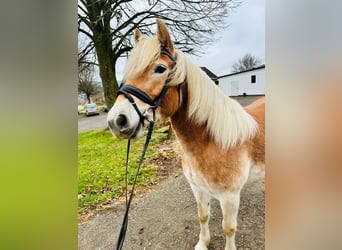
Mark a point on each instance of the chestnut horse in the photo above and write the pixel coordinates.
(220, 140)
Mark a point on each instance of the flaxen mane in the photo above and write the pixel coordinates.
(207, 108)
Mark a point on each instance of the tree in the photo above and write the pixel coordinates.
(108, 25)
(85, 78)
(88, 88)
(84, 62)
(246, 62)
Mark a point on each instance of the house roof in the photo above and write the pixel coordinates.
(209, 73)
(236, 73)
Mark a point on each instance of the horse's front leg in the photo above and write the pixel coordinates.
(230, 206)
(203, 206)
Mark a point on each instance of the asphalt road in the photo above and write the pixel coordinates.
(92, 122)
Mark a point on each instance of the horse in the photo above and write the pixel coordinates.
(220, 140)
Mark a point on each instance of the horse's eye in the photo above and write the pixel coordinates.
(159, 69)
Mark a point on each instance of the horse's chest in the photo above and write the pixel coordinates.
(192, 171)
(214, 174)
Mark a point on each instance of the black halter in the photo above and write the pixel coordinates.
(128, 90)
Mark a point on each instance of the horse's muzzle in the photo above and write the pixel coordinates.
(123, 121)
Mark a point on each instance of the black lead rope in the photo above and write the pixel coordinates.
(128, 203)
(127, 91)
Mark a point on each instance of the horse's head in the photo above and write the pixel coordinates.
(148, 90)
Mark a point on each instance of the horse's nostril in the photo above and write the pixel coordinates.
(121, 121)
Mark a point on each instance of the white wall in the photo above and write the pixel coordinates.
(239, 84)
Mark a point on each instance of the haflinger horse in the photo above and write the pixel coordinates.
(220, 140)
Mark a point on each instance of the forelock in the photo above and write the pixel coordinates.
(145, 53)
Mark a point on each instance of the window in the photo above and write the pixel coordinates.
(253, 78)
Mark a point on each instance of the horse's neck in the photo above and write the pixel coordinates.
(227, 133)
(187, 131)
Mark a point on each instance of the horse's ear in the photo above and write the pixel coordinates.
(137, 35)
(164, 36)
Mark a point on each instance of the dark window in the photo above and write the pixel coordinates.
(253, 78)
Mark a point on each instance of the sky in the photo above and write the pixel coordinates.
(245, 34)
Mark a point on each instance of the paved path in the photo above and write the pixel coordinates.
(166, 218)
(92, 122)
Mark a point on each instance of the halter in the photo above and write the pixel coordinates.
(128, 90)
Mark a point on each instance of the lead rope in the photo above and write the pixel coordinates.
(128, 203)
(128, 90)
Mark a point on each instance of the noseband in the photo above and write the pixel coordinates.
(128, 90)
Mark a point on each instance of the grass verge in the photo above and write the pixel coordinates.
(101, 167)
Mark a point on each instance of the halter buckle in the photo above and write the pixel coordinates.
(153, 108)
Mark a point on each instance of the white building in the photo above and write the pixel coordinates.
(249, 82)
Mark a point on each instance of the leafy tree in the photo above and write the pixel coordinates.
(108, 26)
(246, 62)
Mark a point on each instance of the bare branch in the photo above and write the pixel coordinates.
(85, 32)
(248, 61)
(82, 19)
(193, 25)
(83, 10)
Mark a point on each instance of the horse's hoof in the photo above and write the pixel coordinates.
(201, 246)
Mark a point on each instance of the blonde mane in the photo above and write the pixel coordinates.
(226, 120)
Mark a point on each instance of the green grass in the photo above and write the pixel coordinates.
(101, 166)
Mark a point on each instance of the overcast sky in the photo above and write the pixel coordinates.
(246, 34)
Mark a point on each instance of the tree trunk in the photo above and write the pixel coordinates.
(107, 71)
(88, 98)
